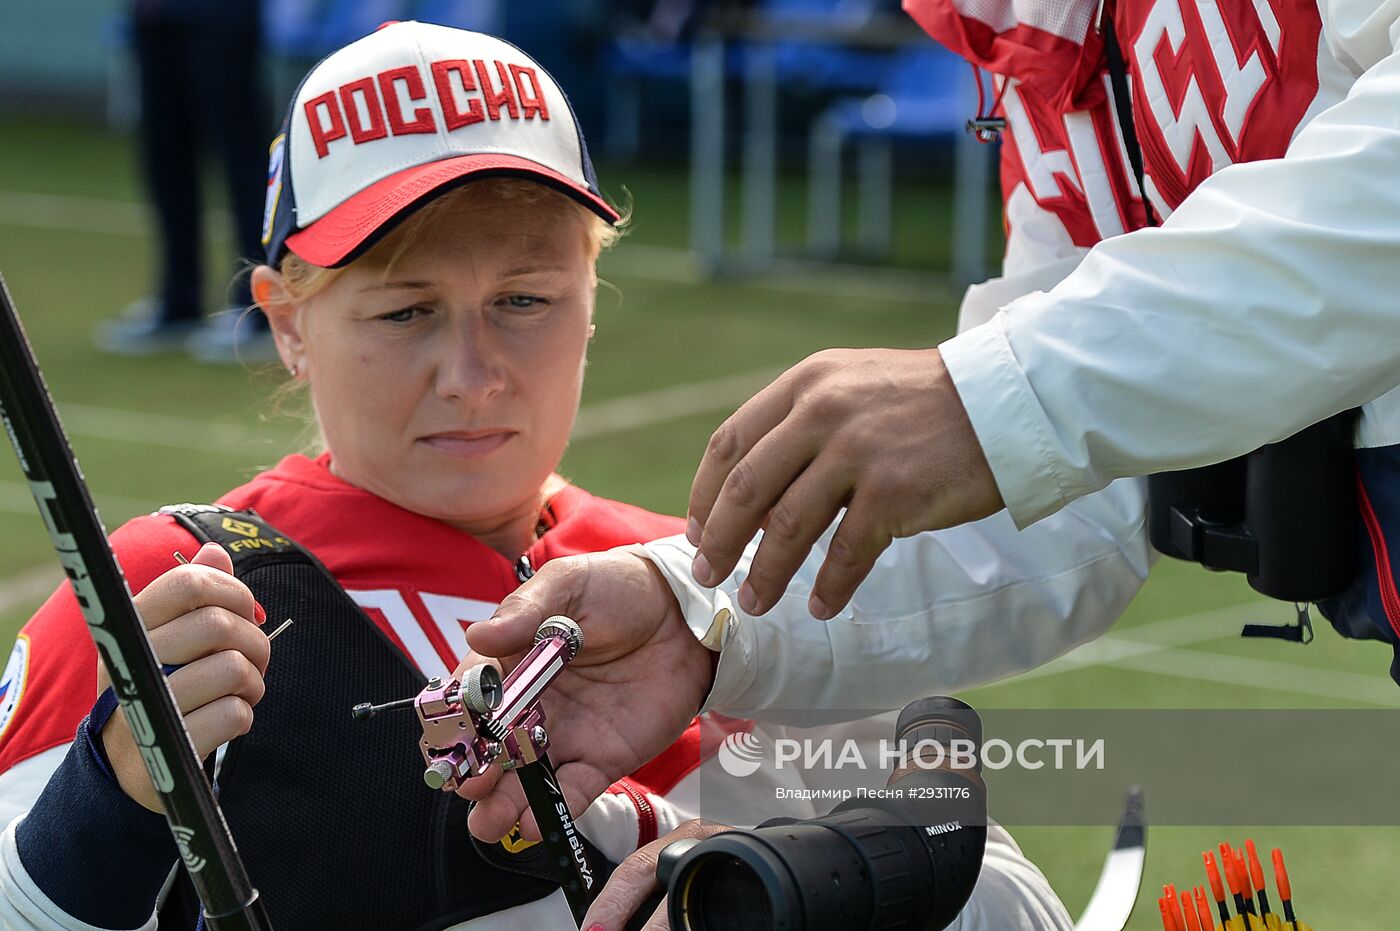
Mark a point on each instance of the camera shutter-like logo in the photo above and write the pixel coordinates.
(741, 754)
(183, 835)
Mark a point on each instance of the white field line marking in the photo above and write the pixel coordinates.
(174, 432)
(16, 499)
(73, 214)
(1286, 678)
(653, 407)
(1158, 648)
(1185, 630)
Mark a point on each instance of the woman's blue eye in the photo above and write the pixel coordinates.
(401, 316)
(525, 301)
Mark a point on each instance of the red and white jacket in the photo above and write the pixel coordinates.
(1267, 128)
(1215, 84)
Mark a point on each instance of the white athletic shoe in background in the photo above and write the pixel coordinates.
(141, 331)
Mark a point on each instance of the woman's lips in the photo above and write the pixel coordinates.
(470, 444)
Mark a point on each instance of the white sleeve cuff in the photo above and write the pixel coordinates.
(711, 615)
(1008, 419)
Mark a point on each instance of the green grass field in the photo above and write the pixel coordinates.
(73, 247)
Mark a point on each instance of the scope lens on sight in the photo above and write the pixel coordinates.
(724, 894)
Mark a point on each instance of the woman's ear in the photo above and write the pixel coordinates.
(270, 293)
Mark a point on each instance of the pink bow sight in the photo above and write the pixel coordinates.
(471, 724)
(468, 726)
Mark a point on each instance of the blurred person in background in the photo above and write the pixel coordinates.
(201, 91)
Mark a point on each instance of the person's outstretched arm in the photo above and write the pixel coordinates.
(940, 612)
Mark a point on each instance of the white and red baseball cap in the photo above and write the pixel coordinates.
(386, 123)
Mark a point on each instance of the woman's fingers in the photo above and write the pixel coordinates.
(212, 723)
(215, 557)
(634, 880)
(206, 581)
(228, 673)
(206, 631)
(477, 788)
(186, 588)
(218, 722)
(203, 620)
(497, 811)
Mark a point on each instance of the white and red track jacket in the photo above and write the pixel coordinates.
(1263, 303)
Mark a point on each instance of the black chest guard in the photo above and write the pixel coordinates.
(331, 815)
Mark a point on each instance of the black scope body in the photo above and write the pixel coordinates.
(908, 859)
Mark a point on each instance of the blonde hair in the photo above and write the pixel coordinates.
(302, 280)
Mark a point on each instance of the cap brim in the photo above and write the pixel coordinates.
(354, 226)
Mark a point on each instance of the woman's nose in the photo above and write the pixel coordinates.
(471, 366)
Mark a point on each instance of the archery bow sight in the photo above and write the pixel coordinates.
(470, 724)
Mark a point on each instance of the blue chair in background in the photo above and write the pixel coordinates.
(927, 99)
(634, 61)
(479, 15)
(812, 65)
(824, 65)
(311, 29)
(300, 32)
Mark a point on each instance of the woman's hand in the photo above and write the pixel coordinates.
(634, 881)
(638, 682)
(201, 618)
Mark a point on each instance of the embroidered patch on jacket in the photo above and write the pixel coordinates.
(12, 682)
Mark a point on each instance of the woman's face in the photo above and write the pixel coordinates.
(449, 384)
